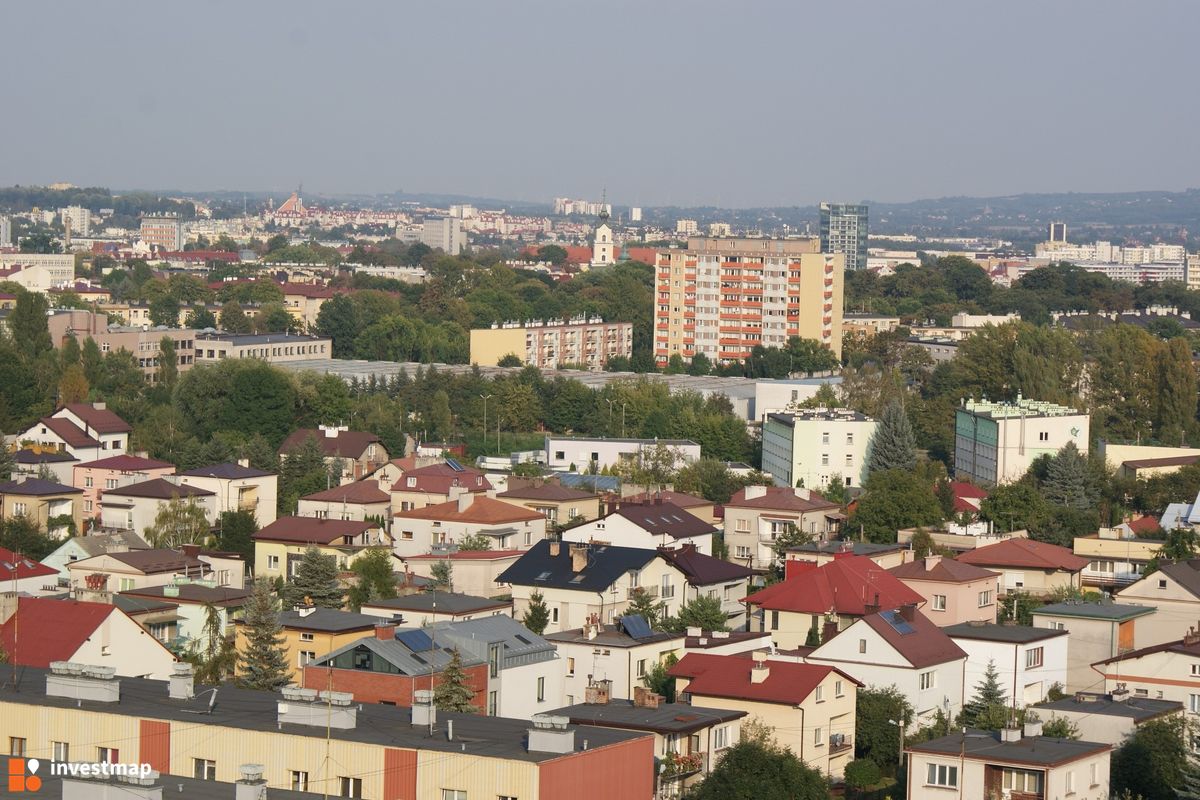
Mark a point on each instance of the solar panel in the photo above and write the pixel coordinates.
(416, 640)
(454, 465)
(899, 623)
(636, 626)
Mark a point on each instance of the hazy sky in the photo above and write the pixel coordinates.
(684, 103)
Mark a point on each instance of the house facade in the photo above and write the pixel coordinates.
(238, 487)
(1027, 566)
(506, 526)
(646, 525)
(356, 453)
(955, 592)
(1095, 631)
(54, 508)
(1174, 591)
(611, 653)
(1029, 661)
(280, 546)
(756, 515)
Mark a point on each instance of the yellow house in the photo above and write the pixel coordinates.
(280, 546)
(310, 632)
(1117, 556)
(41, 501)
(809, 706)
(558, 504)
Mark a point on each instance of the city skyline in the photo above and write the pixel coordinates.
(622, 97)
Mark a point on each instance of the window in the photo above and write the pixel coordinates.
(1043, 436)
(1194, 703)
(204, 769)
(126, 584)
(1023, 780)
(454, 794)
(87, 505)
(1033, 657)
(554, 615)
(818, 738)
(742, 552)
(939, 602)
(1095, 771)
(1196, 669)
(88, 483)
(493, 660)
(559, 455)
(942, 775)
(493, 701)
(862, 645)
(641, 667)
(62, 751)
(541, 690)
(1162, 584)
(985, 598)
(352, 787)
(16, 746)
(570, 665)
(19, 509)
(928, 680)
(721, 737)
(1141, 692)
(668, 589)
(411, 482)
(1071, 782)
(774, 620)
(825, 437)
(849, 438)
(108, 755)
(838, 689)
(299, 781)
(742, 526)
(272, 562)
(306, 637)
(306, 657)
(110, 483)
(824, 459)
(1057, 626)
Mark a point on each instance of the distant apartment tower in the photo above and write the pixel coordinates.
(688, 227)
(635, 214)
(720, 229)
(5, 232)
(78, 218)
(444, 233)
(844, 230)
(996, 442)
(723, 296)
(549, 345)
(1057, 232)
(164, 231)
(812, 447)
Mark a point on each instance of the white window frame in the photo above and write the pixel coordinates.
(941, 775)
(939, 602)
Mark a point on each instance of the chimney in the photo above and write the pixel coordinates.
(8, 606)
(550, 734)
(908, 611)
(555, 548)
(250, 783)
(873, 606)
(760, 671)
(753, 492)
(1120, 694)
(803, 494)
(1191, 637)
(424, 712)
(243, 462)
(579, 557)
(931, 562)
(82, 682)
(695, 631)
(305, 610)
(1008, 734)
(182, 683)
(829, 630)
(464, 501)
(385, 633)
(598, 693)
(639, 696)
(100, 406)
(1033, 728)
(796, 566)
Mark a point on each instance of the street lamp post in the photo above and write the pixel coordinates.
(900, 758)
(485, 397)
(610, 402)
(623, 419)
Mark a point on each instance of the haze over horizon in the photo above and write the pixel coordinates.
(668, 103)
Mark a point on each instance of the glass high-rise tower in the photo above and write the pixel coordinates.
(844, 230)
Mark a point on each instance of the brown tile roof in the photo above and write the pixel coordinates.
(482, 511)
(157, 560)
(1024, 553)
(787, 683)
(680, 499)
(550, 492)
(68, 431)
(158, 488)
(100, 420)
(922, 643)
(127, 463)
(946, 569)
(310, 530)
(1170, 461)
(781, 498)
(364, 491)
(441, 478)
(664, 518)
(347, 444)
(702, 570)
(468, 555)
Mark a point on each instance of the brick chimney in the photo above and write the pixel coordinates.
(385, 632)
(873, 606)
(644, 698)
(829, 630)
(555, 548)
(579, 557)
(598, 693)
(908, 612)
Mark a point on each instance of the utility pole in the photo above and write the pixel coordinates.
(623, 419)
(485, 399)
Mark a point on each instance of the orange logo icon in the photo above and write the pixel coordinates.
(22, 775)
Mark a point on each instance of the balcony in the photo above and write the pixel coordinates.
(676, 766)
(650, 591)
(840, 742)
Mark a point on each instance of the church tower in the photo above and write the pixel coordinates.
(602, 240)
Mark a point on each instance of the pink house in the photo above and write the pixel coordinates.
(114, 472)
(954, 592)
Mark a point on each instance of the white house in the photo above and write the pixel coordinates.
(570, 454)
(598, 652)
(1029, 660)
(1108, 718)
(901, 648)
(1167, 671)
(811, 447)
(647, 526)
(238, 487)
(134, 507)
(87, 431)
(507, 527)
(20, 574)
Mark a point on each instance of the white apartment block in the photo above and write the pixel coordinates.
(78, 218)
(38, 272)
(996, 442)
(5, 232)
(815, 445)
(567, 453)
(444, 233)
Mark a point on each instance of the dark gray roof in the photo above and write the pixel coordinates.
(247, 709)
(37, 487)
(667, 718)
(221, 596)
(1138, 709)
(611, 636)
(28, 456)
(96, 543)
(140, 605)
(605, 564)
(1013, 634)
(327, 619)
(159, 489)
(227, 471)
(172, 786)
(857, 548)
(446, 602)
(987, 746)
(1081, 608)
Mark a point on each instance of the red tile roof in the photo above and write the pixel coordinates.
(1024, 553)
(347, 444)
(946, 569)
(15, 568)
(678, 498)
(308, 290)
(100, 420)
(127, 463)
(967, 497)
(781, 498)
(45, 630)
(482, 511)
(68, 431)
(364, 491)
(1146, 524)
(786, 683)
(310, 530)
(924, 645)
(845, 586)
(440, 479)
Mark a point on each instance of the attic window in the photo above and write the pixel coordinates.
(1162, 584)
(577, 579)
(412, 482)
(544, 576)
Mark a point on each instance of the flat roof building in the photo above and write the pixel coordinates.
(996, 442)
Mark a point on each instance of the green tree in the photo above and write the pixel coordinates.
(1175, 398)
(178, 522)
(553, 253)
(164, 310)
(315, 581)
(1060, 728)
(699, 365)
(989, 698)
(262, 663)
(643, 604)
(232, 319)
(453, 691)
(27, 324)
(922, 544)
(274, 318)
(338, 320)
(218, 659)
(893, 445)
(658, 680)
(895, 499)
(1016, 506)
(1018, 607)
(861, 774)
(234, 532)
(72, 385)
(200, 318)
(1152, 762)
(475, 542)
(510, 360)
(876, 736)
(536, 616)
(752, 771)
(168, 365)
(442, 574)
(709, 478)
(1068, 480)
(703, 612)
(374, 578)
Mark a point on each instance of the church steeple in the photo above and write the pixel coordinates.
(602, 237)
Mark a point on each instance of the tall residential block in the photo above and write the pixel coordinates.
(844, 230)
(553, 343)
(996, 442)
(814, 446)
(723, 296)
(444, 233)
(5, 232)
(1057, 232)
(164, 231)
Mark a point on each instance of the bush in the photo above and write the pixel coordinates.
(862, 773)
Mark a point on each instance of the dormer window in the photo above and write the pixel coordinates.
(412, 482)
